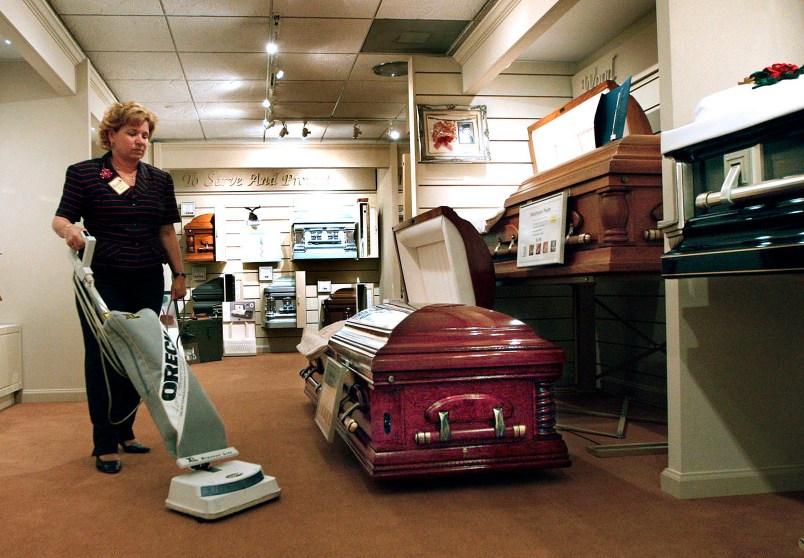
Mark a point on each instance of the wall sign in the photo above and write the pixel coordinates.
(262, 180)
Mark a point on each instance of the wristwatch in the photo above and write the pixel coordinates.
(179, 274)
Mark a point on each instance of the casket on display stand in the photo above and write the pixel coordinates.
(440, 384)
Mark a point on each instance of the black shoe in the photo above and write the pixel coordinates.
(110, 467)
(136, 447)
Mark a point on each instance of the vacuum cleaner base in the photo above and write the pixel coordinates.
(221, 490)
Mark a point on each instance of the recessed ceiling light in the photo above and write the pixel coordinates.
(391, 69)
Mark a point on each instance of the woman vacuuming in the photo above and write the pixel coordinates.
(130, 208)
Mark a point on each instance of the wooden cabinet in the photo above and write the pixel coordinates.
(10, 364)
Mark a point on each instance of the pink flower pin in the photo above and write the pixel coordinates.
(105, 173)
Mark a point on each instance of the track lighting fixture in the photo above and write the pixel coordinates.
(284, 131)
(392, 133)
(280, 74)
(305, 130)
(268, 124)
(356, 131)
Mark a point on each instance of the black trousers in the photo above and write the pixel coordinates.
(111, 397)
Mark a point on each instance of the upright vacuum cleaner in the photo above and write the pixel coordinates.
(142, 348)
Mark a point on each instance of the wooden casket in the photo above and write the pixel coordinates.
(441, 384)
(200, 237)
(614, 199)
(341, 305)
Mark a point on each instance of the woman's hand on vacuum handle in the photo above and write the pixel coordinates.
(73, 236)
(178, 290)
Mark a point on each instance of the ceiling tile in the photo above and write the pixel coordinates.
(177, 130)
(230, 90)
(217, 7)
(230, 111)
(358, 91)
(412, 35)
(230, 34)
(120, 33)
(314, 66)
(107, 7)
(368, 110)
(303, 91)
(427, 9)
(173, 111)
(322, 35)
(166, 91)
(223, 65)
(327, 8)
(287, 110)
(232, 129)
(147, 65)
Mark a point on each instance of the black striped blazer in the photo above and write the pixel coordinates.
(126, 225)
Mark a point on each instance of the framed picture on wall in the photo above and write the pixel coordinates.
(187, 209)
(453, 134)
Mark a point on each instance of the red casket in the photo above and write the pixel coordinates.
(430, 388)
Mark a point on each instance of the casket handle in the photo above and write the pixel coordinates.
(346, 417)
(443, 429)
(446, 434)
(499, 422)
(730, 194)
(307, 375)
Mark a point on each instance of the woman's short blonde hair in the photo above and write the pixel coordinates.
(120, 114)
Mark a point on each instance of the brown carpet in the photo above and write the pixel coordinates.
(54, 503)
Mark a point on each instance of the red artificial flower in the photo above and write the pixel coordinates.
(105, 173)
(777, 70)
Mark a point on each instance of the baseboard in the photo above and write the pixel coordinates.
(733, 482)
(53, 395)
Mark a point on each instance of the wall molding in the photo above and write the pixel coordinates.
(707, 484)
(53, 395)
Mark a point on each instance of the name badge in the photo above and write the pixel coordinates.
(118, 185)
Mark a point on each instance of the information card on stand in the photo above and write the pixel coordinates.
(542, 231)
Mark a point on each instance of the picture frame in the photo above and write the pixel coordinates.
(187, 209)
(453, 133)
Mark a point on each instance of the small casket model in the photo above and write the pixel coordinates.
(442, 384)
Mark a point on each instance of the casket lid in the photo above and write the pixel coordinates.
(444, 260)
(201, 223)
(735, 109)
(400, 337)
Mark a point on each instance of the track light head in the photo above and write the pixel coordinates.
(280, 74)
(356, 131)
(392, 133)
(284, 131)
(305, 130)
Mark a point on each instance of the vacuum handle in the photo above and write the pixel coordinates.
(83, 264)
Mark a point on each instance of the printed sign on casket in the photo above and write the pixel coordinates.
(542, 231)
(329, 402)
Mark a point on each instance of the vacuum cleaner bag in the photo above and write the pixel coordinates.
(165, 382)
